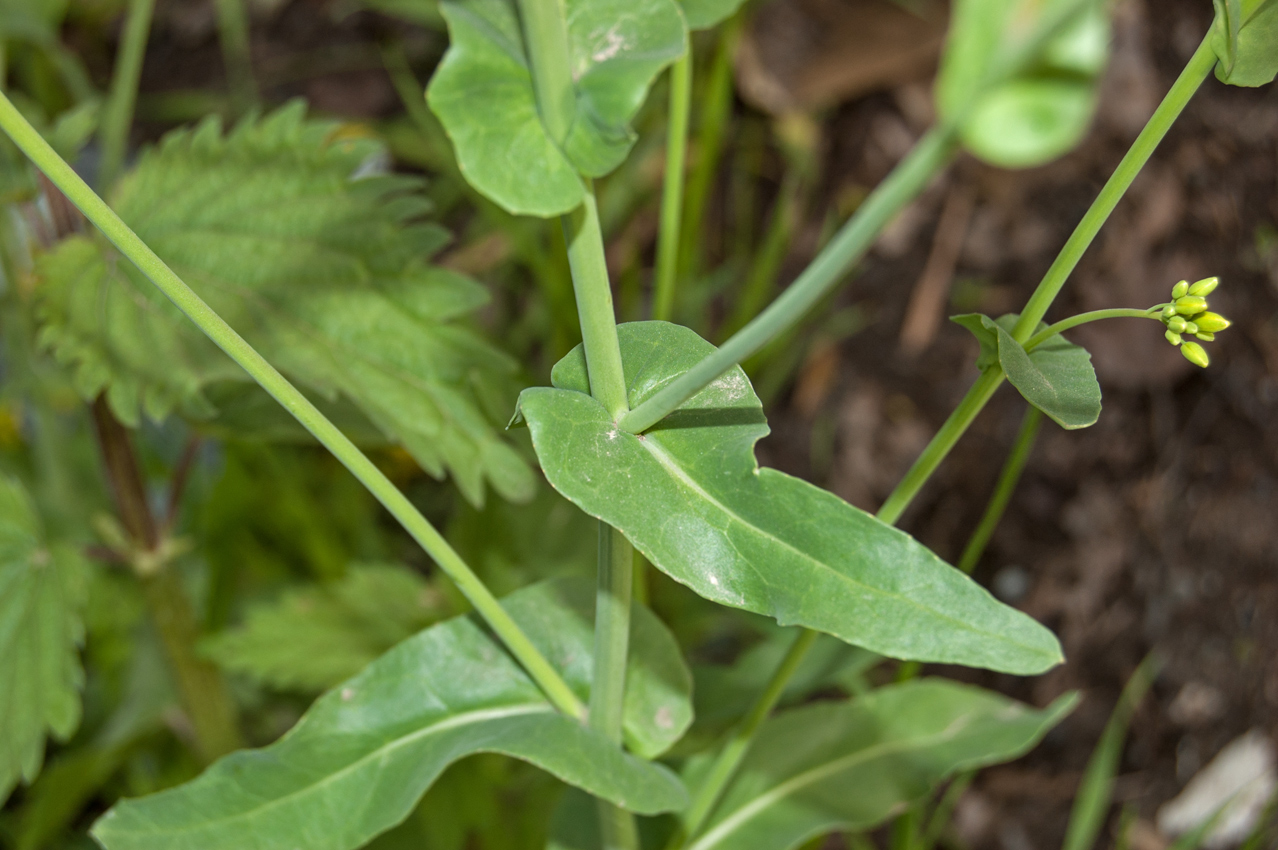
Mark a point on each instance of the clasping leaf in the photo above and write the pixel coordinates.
(1245, 39)
(1056, 377)
(690, 496)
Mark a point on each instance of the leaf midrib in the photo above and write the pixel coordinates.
(667, 461)
(817, 774)
(451, 722)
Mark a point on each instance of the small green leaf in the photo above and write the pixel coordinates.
(1056, 377)
(289, 232)
(1043, 111)
(690, 496)
(318, 636)
(704, 14)
(357, 762)
(851, 765)
(1245, 39)
(483, 94)
(41, 594)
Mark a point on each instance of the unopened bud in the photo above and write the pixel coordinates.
(1176, 324)
(1206, 337)
(1212, 322)
(1169, 311)
(1205, 287)
(1180, 289)
(1190, 305)
(1173, 337)
(1190, 328)
(1195, 354)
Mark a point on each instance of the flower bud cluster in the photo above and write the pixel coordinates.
(1187, 315)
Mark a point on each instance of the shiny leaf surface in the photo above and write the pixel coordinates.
(357, 762)
(690, 496)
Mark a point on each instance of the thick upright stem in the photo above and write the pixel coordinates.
(608, 689)
(237, 55)
(546, 39)
(201, 688)
(906, 181)
(1195, 72)
(594, 306)
(117, 117)
(672, 191)
(292, 399)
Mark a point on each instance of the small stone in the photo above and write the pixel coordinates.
(1196, 704)
(1237, 782)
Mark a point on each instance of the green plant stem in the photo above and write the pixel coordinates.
(906, 181)
(608, 688)
(672, 190)
(1195, 72)
(1094, 316)
(237, 55)
(117, 117)
(545, 24)
(300, 407)
(201, 688)
(594, 306)
(1007, 481)
(729, 758)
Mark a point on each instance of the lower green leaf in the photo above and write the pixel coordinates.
(357, 762)
(41, 594)
(1056, 377)
(1245, 39)
(851, 765)
(690, 496)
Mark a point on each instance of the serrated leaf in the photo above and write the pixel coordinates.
(320, 268)
(41, 594)
(1056, 377)
(483, 94)
(318, 636)
(1245, 40)
(703, 14)
(1041, 112)
(850, 765)
(689, 495)
(359, 759)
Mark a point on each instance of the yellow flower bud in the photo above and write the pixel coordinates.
(1169, 311)
(1176, 324)
(1195, 354)
(1206, 337)
(1172, 337)
(1191, 328)
(1212, 322)
(1190, 305)
(1205, 287)
(1180, 289)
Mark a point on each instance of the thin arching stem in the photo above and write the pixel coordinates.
(117, 117)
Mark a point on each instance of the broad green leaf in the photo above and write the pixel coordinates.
(850, 765)
(41, 593)
(703, 14)
(690, 496)
(1056, 377)
(1039, 113)
(316, 637)
(1245, 39)
(483, 94)
(285, 227)
(359, 759)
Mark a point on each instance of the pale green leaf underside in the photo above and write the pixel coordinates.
(41, 593)
(690, 496)
(483, 94)
(361, 757)
(1056, 377)
(851, 765)
(1245, 39)
(321, 270)
(1043, 112)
